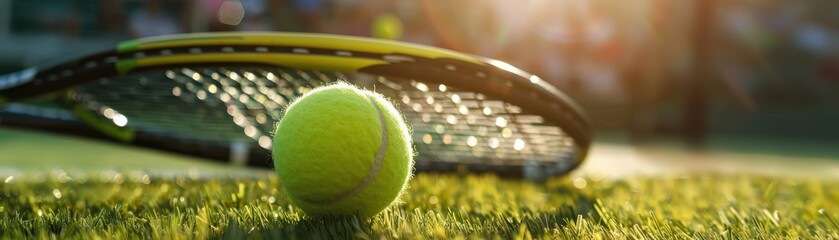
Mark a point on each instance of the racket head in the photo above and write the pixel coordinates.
(467, 112)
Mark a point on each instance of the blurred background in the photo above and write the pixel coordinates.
(730, 74)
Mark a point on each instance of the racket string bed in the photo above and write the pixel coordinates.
(222, 104)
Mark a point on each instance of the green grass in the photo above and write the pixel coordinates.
(113, 205)
(110, 191)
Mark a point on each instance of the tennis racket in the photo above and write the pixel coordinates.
(218, 96)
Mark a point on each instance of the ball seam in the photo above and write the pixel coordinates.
(374, 171)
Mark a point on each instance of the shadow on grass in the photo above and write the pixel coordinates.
(399, 223)
(582, 206)
(331, 227)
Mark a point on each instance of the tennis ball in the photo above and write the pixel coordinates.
(387, 26)
(339, 150)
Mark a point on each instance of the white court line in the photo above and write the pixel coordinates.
(619, 161)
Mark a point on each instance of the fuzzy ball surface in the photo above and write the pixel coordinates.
(340, 150)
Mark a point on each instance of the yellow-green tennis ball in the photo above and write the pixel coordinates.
(387, 26)
(339, 150)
